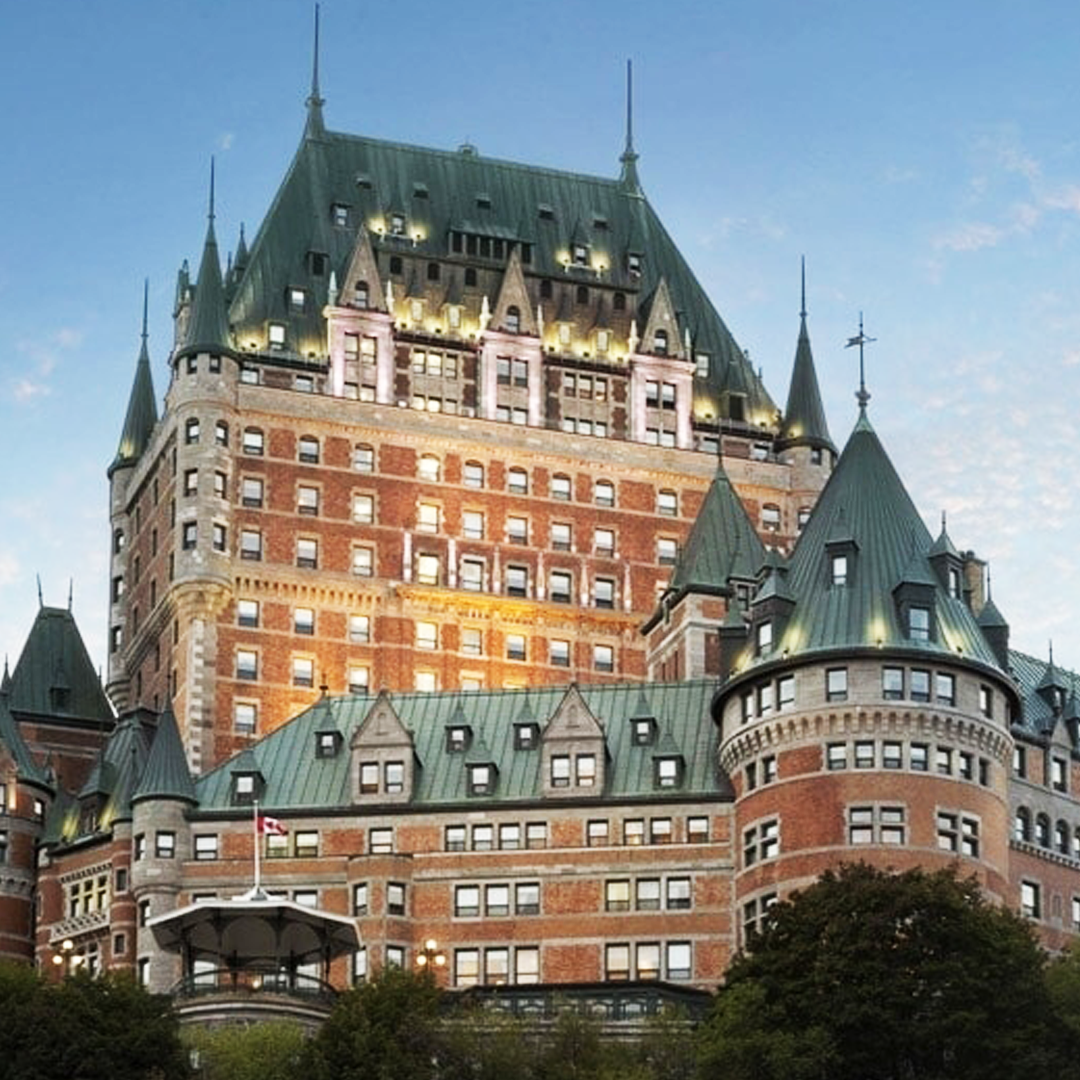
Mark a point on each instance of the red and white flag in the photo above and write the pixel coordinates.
(270, 826)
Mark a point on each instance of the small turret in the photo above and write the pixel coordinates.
(141, 416)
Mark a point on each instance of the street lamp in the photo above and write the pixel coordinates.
(66, 957)
(431, 956)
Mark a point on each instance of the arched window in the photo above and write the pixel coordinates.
(513, 320)
(1022, 825)
(429, 468)
(1061, 837)
(1042, 830)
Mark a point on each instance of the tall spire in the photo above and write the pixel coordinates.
(804, 417)
(208, 328)
(141, 413)
(315, 127)
(629, 158)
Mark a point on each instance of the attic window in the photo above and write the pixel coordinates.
(481, 779)
(296, 299)
(397, 224)
(363, 181)
(954, 583)
(513, 320)
(839, 569)
(420, 191)
(643, 732)
(918, 623)
(458, 738)
(668, 772)
(317, 263)
(276, 336)
(764, 638)
(245, 788)
(546, 212)
(701, 365)
(660, 342)
(579, 255)
(483, 201)
(599, 222)
(526, 736)
(339, 214)
(633, 264)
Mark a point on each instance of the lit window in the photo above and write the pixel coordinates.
(472, 524)
(427, 517)
(276, 335)
(429, 468)
(839, 569)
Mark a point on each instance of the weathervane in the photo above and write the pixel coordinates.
(860, 339)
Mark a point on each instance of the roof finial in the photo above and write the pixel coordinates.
(989, 585)
(802, 312)
(863, 395)
(629, 157)
(71, 591)
(41, 602)
(145, 307)
(211, 213)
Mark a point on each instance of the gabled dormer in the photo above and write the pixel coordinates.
(481, 771)
(772, 605)
(1052, 686)
(573, 751)
(947, 564)
(458, 732)
(526, 727)
(363, 287)
(513, 311)
(661, 336)
(841, 553)
(247, 783)
(643, 725)
(914, 596)
(669, 764)
(383, 765)
(328, 737)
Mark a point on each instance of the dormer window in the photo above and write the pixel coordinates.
(339, 214)
(839, 569)
(955, 586)
(483, 201)
(545, 212)
(458, 738)
(246, 788)
(660, 342)
(526, 736)
(513, 320)
(327, 744)
(481, 779)
(276, 336)
(397, 224)
(668, 772)
(643, 730)
(918, 623)
(764, 637)
(579, 255)
(296, 299)
(633, 264)
(361, 294)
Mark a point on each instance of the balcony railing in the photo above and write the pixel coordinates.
(225, 981)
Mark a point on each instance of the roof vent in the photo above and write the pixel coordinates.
(467, 149)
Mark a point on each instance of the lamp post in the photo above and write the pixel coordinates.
(431, 957)
(66, 957)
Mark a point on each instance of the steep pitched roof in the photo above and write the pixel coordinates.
(722, 544)
(166, 775)
(866, 502)
(208, 328)
(804, 422)
(10, 737)
(142, 412)
(54, 650)
(369, 176)
(297, 778)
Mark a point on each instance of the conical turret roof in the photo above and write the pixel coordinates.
(142, 415)
(208, 330)
(804, 418)
(166, 775)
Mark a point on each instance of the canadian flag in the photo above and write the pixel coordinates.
(270, 826)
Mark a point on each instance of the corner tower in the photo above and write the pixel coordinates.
(871, 695)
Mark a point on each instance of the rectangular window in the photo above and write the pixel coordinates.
(456, 836)
(517, 581)
(164, 845)
(678, 896)
(527, 898)
(660, 831)
(604, 593)
(891, 755)
(380, 841)
(363, 509)
(483, 838)
(945, 688)
(395, 898)
(697, 830)
(1030, 899)
(535, 835)
(836, 688)
(307, 553)
(359, 629)
(836, 756)
(603, 658)
(561, 586)
(617, 895)
(596, 833)
(363, 561)
(360, 898)
(647, 894)
(634, 832)
(892, 683)
(919, 760)
(864, 755)
(585, 770)
(509, 837)
(206, 848)
(471, 577)
(617, 963)
(515, 647)
(920, 685)
(303, 671)
(496, 900)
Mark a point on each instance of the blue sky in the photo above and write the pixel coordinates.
(923, 156)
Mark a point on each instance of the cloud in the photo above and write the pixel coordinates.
(9, 567)
(970, 237)
(1066, 198)
(42, 359)
(225, 140)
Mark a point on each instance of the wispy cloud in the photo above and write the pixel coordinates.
(225, 140)
(9, 567)
(40, 359)
(970, 237)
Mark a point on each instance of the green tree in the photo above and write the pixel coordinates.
(385, 1029)
(269, 1051)
(869, 975)
(1063, 983)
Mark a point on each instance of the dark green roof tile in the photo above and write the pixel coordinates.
(166, 775)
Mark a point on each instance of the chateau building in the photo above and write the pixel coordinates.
(444, 425)
(472, 586)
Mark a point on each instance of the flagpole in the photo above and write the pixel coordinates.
(255, 827)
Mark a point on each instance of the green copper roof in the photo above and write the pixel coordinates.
(10, 737)
(297, 778)
(1034, 676)
(867, 507)
(438, 192)
(141, 413)
(166, 775)
(54, 675)
(208, 328)
(804, 418)
(722, 544)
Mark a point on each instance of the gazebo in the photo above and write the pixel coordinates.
(255, 956)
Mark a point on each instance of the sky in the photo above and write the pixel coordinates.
(923, 157)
